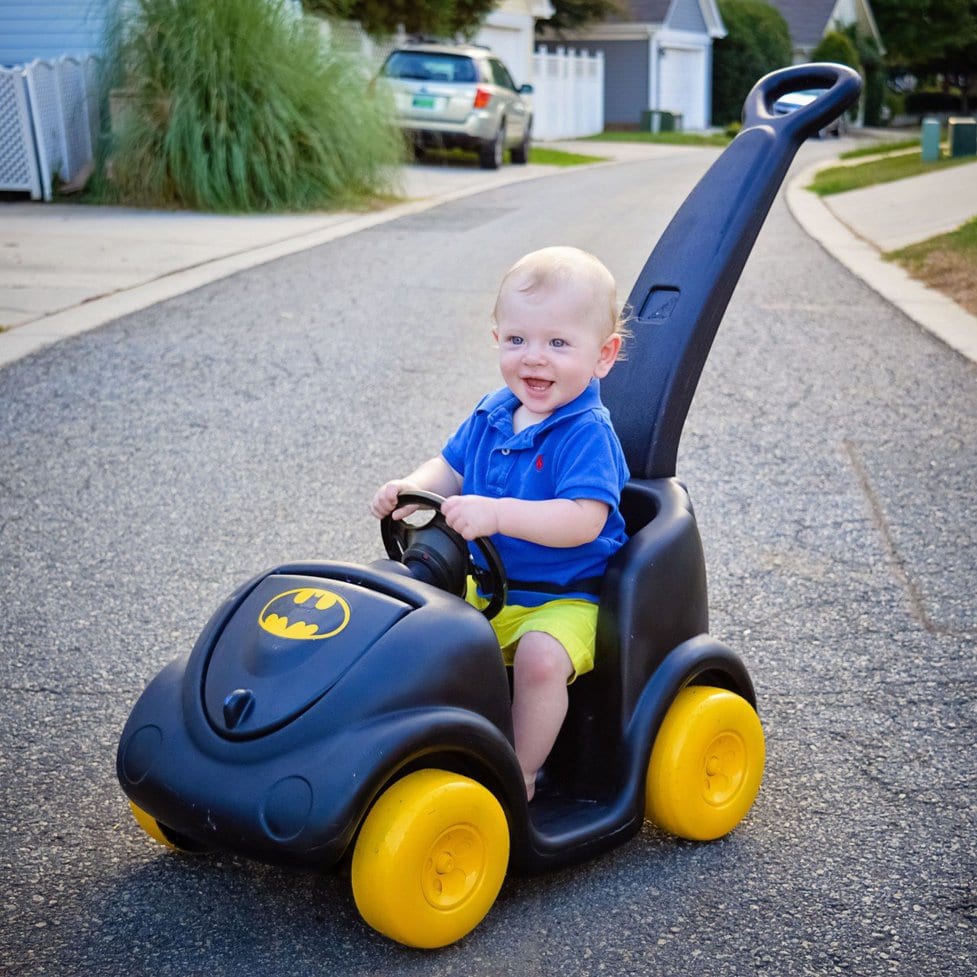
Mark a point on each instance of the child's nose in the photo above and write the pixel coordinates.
(534, 353)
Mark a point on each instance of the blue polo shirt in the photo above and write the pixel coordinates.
(572, 454)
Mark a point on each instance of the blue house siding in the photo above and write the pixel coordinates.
(625, 80)
(49, 28)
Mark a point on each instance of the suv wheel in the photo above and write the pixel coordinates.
(520, 153)
(490, 155)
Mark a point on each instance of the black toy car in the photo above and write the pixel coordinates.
(331, 709)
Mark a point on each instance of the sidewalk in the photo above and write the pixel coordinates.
(66, 268)
(859, 226)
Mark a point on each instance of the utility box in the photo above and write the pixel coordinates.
(658, 120)
(963, 136)
(931, 140)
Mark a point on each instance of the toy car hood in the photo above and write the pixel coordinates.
(291, 640)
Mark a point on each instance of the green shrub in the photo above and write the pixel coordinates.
(757, 42)
(238, 105)
(926, 102)
(838, 48)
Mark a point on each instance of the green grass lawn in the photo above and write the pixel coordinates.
(947, 262)
(667, 138)
(838, 179)
(878, 148)
(557, 157)
(537, 154)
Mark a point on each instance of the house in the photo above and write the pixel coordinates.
(32, 29)
(809, 20)
(658, 56)
(510, 30)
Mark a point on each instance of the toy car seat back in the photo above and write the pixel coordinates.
(654, 595)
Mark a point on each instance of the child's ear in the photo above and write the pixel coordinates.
(608, 355)
(495, 335)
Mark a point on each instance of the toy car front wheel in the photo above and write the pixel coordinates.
(430, 858)
(164, 836)
(706, 764)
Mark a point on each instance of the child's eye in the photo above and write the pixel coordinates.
(558, 343)
(514, 340)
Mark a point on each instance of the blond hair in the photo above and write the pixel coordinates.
(550, 268)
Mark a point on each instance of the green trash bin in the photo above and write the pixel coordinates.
(931, 140)
(962, 136)
(658, 120)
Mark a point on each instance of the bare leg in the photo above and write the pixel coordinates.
(539, 702)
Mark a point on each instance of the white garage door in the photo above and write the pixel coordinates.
(511, 46)
(683, 79)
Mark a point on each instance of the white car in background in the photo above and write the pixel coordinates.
(460, 96)
(797, 100)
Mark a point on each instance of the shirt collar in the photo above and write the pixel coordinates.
(501, 405)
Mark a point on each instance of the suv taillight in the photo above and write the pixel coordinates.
(482, 98)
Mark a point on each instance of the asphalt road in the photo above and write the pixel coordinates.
(152, 465)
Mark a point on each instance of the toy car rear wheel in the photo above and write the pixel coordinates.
(430, 859)
(163, 835)
(706, 764)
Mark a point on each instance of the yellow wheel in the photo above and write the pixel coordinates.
(157, 832)
(150, 825)
(706, 764)
(430, 859)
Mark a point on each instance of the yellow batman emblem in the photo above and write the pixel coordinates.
(305, 614)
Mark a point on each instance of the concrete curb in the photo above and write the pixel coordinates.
(928, 308)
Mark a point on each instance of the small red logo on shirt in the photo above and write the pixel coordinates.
(539, 463)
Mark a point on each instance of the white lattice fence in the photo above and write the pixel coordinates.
(48, 122)
(18, 160)
(568, 93)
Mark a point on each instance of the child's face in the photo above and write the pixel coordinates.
(550, 348)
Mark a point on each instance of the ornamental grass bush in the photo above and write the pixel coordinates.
(240, 105)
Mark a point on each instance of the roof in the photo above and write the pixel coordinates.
(644, 11)
(809, 20)
(657, 12)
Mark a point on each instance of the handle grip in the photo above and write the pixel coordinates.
(841, 84)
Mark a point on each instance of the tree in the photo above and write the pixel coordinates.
(571, 14)
(931, 38)
(757, 42)
(444, 18)
(921, 32)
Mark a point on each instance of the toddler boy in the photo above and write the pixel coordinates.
(538, 468)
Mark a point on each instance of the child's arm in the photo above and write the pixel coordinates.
(435, 475)
(553, 522)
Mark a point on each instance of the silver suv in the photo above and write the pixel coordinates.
(460, 96)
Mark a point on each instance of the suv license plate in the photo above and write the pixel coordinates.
(424, 102)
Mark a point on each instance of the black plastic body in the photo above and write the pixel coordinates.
(258, 744)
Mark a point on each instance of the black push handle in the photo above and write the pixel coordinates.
(682, 292)
(841, 87)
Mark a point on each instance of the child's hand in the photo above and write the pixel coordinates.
(471, 515)
(385, 501)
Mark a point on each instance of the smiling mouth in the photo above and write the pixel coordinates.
(536, 385)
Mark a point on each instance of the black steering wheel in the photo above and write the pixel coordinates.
(436, 554)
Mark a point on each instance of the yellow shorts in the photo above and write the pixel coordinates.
(572, 622)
